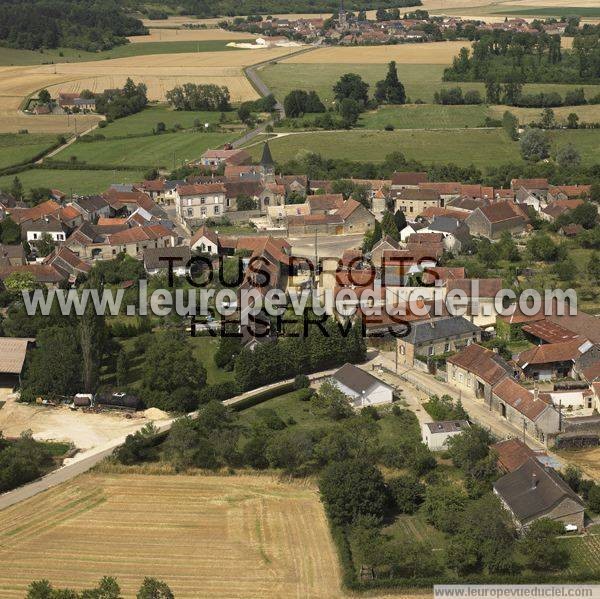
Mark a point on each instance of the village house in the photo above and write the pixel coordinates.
(91, 207)
(436, 336)
(476, 370)
(200, 201)
(160, 260)
(73, 101)
(407, 180)
(491, 221)
(533, 491)
(480, 295)
(12, 255)
(513, 453)
(552, 360)
(205, 241)
(362, 388)
(436, 434)
(63, 260)
(42, 274)
(214, 158)
(530, 411)
(454, 232)
(413, 202)
(35, 230)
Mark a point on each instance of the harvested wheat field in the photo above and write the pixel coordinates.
(160, 72)
(430, 53)
(189, 35)
(206, 536)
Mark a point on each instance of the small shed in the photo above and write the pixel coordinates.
(436, 434)
(363, 388)
(13, 351)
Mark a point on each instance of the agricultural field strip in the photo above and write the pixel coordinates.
(230, 536)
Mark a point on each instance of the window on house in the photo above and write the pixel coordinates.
(190, 212)
(430, 350)
(446, 347)
(203, 211)
(35, 235)
(217, 209)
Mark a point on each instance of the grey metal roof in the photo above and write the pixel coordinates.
(439, 328)
(444, 224)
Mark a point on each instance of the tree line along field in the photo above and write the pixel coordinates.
(217, 536)
(72, 181)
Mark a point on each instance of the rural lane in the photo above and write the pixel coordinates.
(88, 459)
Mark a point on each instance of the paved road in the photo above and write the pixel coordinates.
(477, 410)
(88, 459)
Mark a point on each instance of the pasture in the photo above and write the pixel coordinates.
(230, 536)
(462, 147)
(424, 116)
(587, 142)
(421, 81)
(588, 113)
(167, 150)
(79, 182)
(16, 149)
(144, 122)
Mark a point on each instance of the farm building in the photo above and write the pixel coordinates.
(13, 352)
(477, 369)
(533, 491)
(362, 388)
(436, 434)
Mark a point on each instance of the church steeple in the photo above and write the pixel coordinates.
(267, 160)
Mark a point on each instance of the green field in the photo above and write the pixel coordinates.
(420, 81)
(145, 121)
(167, 150)
(424, 116)
(587, 141)
(16, 149)
(479, 147)
(80, 182)
(12, 56)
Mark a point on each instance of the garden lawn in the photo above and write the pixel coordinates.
(144, 122)
(424, 116)
(167, 150)
(413, 527)
(16, 57)
(80, 182)
(479, 147)
(17, 148)
(204, 349)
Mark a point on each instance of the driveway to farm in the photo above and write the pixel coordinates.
(86, 460)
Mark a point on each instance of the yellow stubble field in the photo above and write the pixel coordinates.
(160, 72)
(206, 536)
(188, 35)
(432, 53)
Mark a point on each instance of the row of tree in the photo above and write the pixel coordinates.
(107, 588)
(118, 103)
(192, 96)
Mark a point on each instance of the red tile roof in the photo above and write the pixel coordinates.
(552, 352)
(409, 178)
(512, 454)
(549, 331)
(200, 189)
(482, 362)
(519, 398)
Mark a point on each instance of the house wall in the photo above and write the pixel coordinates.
(200, 206)
(360, 221)
(567, 511)
(436, 441)
(37, 235)
(413, 208)
(205, 245)
(378, 395)
(407, 351)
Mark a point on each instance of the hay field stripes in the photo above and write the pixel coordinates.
(242, 536)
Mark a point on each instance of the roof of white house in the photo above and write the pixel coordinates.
(357, 379)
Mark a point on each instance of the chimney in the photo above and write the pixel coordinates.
(534, 481)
